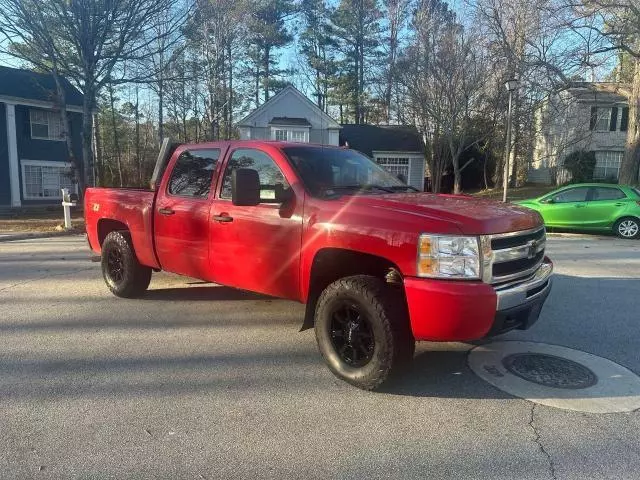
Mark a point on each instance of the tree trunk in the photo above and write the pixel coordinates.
(87, 133)
(64, 118)
(631, 161)
(97, 145)
(267, 62)
(116, 141)
(160, 110)
(138, 155)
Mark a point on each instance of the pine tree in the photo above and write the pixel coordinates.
(358, 33)
(267, 33)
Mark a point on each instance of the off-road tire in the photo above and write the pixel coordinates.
(132, 278)
(385, 309)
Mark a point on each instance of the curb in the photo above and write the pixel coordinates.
(37, 235)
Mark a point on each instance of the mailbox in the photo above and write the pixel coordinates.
(68, 200)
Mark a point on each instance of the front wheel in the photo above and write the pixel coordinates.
(122, 272)
(628, 227)
(362, 330)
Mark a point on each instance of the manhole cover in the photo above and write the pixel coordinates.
(549, 370)
(557, 376)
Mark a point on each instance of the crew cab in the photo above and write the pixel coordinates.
(378, 264)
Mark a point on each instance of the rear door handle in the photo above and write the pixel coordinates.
(223, 218)
(620, 204)
(166, 211)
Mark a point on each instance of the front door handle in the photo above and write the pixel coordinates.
(166, 211)
(223, 218)
(580, 206)
(620, 204)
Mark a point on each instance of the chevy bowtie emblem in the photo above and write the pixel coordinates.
(533, 249)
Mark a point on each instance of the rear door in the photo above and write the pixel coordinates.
(257, 248)
(181, 214)
(568, 208)
(605, 206)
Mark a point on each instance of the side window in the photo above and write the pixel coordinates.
(607, 193)
(193, 172)
(571, 195)
(269, 173)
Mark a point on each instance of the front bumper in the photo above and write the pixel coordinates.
(446, 311)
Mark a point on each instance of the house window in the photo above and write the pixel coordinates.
(300, 135)
(46, 125)
(602, 119)
(43, 180)
(607, 165)
(396, 166)
(280, 135)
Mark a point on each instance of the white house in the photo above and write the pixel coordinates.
(586, 116)
(290, 116)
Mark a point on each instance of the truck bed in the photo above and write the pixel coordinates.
(132, 208)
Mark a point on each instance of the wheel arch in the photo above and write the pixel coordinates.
(108, 225)
(330, 264)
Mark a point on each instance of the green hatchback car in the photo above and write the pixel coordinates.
(591, 206)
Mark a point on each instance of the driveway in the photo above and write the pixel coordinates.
(200, 382)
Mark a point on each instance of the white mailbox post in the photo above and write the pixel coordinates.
(68, 201)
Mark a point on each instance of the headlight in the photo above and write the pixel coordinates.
(448, 257)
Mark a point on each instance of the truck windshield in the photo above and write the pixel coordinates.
(333, 171)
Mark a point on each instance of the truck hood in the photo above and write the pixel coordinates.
(471, 215)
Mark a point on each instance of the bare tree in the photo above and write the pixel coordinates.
(86, 41)
(443, 76)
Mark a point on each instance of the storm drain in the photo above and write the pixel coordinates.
(549, 370)
(557, 376)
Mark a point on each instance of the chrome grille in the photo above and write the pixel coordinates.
(510, 257)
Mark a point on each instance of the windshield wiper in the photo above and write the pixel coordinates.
(365, 187)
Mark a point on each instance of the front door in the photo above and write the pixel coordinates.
(567, 208)
(257, 248)
(181, 214)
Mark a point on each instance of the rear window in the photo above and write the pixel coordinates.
(607, 193)
(636, 191)
(193, 173)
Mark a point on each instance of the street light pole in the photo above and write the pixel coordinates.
(511, 85)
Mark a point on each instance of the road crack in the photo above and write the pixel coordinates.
(536, 433)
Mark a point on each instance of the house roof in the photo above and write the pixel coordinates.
(40, 87)
(329, 122)
(600, 92)
(381, 138)
(290, 122)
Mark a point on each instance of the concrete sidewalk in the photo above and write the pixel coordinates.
(13, 236)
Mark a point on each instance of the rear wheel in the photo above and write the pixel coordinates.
(122, 272)
(362, 330)
(628, 227)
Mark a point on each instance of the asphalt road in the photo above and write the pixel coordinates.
(202, 382)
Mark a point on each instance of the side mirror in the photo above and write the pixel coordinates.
(283, 195)
(245, 187)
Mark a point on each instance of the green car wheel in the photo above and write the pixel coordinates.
(627, 228)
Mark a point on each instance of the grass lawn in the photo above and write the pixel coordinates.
(40, 221)
(520, 193)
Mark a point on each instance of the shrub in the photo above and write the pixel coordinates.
(581, 165)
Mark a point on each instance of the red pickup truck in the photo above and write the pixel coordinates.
(378, 264)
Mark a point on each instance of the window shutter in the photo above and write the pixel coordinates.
(624, 121)
(614, 119)
(594, 118)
